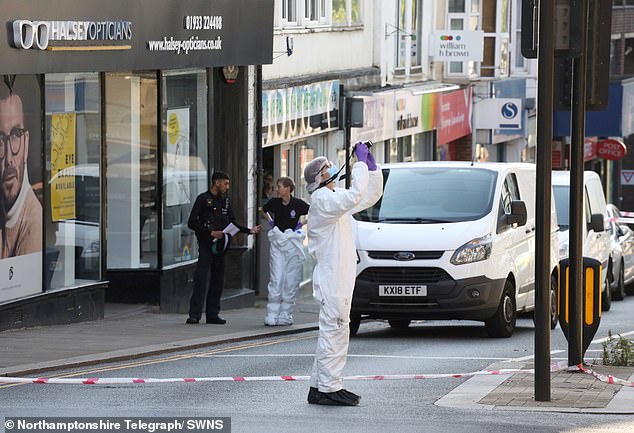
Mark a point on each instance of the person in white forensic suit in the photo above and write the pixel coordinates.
(286, 260)
(331, 242)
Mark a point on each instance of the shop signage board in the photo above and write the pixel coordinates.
(449, 45)
(300, 111)
(498, 113)
(96, 35)
(378, 118)
(407, 116)
(454, 115)
(611, 149)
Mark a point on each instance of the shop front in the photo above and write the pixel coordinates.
(403, 123)
(299, 123)
(113, 115)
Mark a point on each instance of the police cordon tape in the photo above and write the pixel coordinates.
(128, 380)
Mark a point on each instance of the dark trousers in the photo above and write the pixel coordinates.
(208, 280)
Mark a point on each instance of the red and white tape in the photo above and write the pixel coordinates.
(128, 380)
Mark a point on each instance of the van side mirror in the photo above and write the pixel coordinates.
(518, 213)
(597, 223)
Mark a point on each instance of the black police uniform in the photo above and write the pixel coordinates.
(286, 215)
(209, 213)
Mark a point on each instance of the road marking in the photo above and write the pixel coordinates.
(526, 358)
(601, 340)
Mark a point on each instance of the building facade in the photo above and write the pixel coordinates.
(114, 116)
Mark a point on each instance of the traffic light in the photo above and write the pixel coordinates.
(598, 59)
(529, 28)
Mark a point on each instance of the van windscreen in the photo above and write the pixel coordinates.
(433, 194)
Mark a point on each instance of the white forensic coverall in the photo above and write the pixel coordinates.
(285, 263)
(331, 241)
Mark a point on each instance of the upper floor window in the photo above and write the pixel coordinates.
(315, 10)
(289, 12)
(307, 13)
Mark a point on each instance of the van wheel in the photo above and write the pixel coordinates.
(606, 297)
(502, 324)
(619, 292)
(554, 311)
(355, 322)
(399, 324)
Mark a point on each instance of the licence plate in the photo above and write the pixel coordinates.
(398, 290)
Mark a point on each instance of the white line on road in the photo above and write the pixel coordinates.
(526, 358)
(601, 340)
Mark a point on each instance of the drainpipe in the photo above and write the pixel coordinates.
(259, 171)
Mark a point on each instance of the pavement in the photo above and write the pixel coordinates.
(26, 352)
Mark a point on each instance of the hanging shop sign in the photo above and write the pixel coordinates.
(301, 111)
(93, 35)
(454, 115)
(611, 149)
(498, 113)
(448, 45)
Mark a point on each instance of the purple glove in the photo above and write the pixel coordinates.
(271, 223)
(361, 151)
(371, 162)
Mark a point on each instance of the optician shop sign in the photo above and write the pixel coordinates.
(96, 35)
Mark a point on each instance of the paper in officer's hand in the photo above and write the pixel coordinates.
(231, 229)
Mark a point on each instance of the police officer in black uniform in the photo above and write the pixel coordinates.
(210, 215)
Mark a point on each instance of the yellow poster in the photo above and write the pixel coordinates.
(62, 166)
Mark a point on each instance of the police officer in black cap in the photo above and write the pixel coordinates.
(210, 215)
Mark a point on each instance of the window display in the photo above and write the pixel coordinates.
(185, 159)
(72, 220)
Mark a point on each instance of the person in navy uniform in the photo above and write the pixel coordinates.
(210, 215)
(287, 253)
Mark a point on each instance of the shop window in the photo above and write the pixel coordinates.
(74, 180)
(185, 159)
(132, 167)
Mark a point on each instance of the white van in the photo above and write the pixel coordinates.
(451, 240)
(596, 238)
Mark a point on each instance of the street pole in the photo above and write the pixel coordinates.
(578, 127)
(545, 87)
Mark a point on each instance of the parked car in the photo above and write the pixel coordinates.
(596, 238)
(621, 272)
(451, 240)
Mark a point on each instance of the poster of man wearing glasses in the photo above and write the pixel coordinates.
(20, 179)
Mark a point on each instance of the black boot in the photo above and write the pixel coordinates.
(337, 398)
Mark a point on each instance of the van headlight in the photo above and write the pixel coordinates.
(473, 251)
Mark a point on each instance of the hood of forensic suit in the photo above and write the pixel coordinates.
(418, 237)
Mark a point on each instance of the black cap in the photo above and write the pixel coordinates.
(218, 175)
